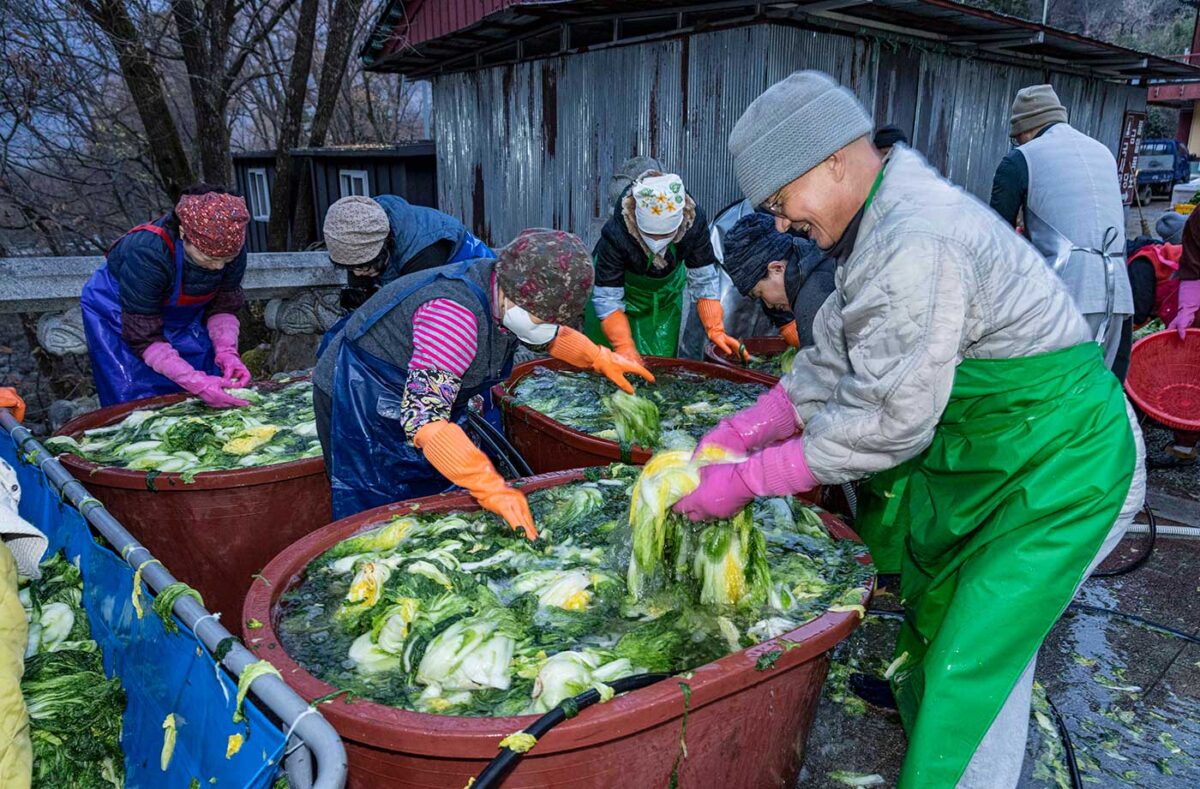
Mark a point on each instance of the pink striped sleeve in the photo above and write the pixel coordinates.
(445, 337)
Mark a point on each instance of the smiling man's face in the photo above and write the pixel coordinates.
(822, 202)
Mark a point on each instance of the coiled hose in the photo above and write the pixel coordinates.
(499, 445)
(1152, 524)
(498, 768)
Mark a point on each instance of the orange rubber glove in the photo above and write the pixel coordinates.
(616, 329)
(577, 350)
(712, 315)
(790, 334)
(13, 402)
(448, 449)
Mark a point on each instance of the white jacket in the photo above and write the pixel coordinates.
(935, 277)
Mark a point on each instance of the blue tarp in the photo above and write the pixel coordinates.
(162, 673)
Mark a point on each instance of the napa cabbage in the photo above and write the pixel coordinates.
(570, 673)
(471, 654)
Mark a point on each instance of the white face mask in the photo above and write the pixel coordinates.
(519, 322)
(657, 245)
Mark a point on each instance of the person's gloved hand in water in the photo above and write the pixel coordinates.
(575, 349)
(450, 451)
(166, 361)
(725, 488)
(712, 317)
(13, 402)
(773, 418)
(1189, 303)
(223, 330)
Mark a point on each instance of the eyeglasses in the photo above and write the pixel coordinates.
(773, 205)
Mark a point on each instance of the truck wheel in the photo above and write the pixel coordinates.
(1144, 194)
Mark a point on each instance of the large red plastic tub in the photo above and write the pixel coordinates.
(757, 346)
(218, 531)
(549, 446)
(745, 727)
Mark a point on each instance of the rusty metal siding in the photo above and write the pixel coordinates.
(535, 143)
(436, 18)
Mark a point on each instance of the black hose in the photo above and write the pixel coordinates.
(1166, 630)
(1068, 746)
(499, 768)
(499, 444)
(1152, 523)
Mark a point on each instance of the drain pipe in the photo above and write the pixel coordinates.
(312, 731)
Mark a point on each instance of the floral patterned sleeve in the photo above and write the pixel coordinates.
(429, 395)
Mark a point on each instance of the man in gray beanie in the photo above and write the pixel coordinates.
(1065, 184)
(951, 368)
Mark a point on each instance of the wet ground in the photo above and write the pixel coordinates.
(1128, 693)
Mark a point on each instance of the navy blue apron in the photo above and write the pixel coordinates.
(470, 249)
(372, 461)
(118, 370)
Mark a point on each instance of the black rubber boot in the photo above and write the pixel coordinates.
(876, 692)
(1170, 458)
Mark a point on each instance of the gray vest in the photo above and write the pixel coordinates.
(390, 338)
(1074, 216)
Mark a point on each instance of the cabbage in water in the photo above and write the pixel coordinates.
(674, 412)
(277, 427)
(454, 614)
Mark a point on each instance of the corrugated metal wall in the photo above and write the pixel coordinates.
(534, 144)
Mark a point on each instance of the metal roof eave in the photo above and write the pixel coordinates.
(504, 36)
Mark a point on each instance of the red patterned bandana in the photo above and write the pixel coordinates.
(213, 222)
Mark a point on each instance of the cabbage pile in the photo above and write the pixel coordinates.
(189, 437)
(74, 709)
(672, 413)
(456, 614)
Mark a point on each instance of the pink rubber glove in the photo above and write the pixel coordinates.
(773, 418)
(725, 488)
(165, 360)
(223, 331)
(1189, 302)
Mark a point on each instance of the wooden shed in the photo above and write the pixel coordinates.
(409, 171)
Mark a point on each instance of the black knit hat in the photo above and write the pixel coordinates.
(750, 246)
(889, 135)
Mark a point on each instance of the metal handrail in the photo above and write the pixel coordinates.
(317, 738)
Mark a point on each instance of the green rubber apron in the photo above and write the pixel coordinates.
(1025, 477)
(654, 307)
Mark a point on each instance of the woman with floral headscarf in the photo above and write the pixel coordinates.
(655, 243)
(160, 315)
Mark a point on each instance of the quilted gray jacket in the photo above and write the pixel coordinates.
(935, 277)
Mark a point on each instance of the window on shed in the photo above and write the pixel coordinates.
(259, 193)
(353, 182)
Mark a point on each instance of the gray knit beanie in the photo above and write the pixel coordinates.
(355, 229)
(1170, 227)
(791, 128)
(1034, 107)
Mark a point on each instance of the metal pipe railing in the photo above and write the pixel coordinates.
(314, 733)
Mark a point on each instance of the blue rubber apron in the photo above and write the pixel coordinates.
(118, 370)
(471, 248)
(372, 460)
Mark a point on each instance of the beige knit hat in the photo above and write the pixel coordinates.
(355, 229)
(1035, 107)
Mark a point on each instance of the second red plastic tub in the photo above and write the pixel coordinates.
(548, 445)
(219, 530)
(768, 347)
(745, 727)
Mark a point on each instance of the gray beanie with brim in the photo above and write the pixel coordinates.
(355, 229)
(792, 127)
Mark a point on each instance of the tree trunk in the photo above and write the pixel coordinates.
(284, 190)
(343, 23)
(165, 146)
(203, 48)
